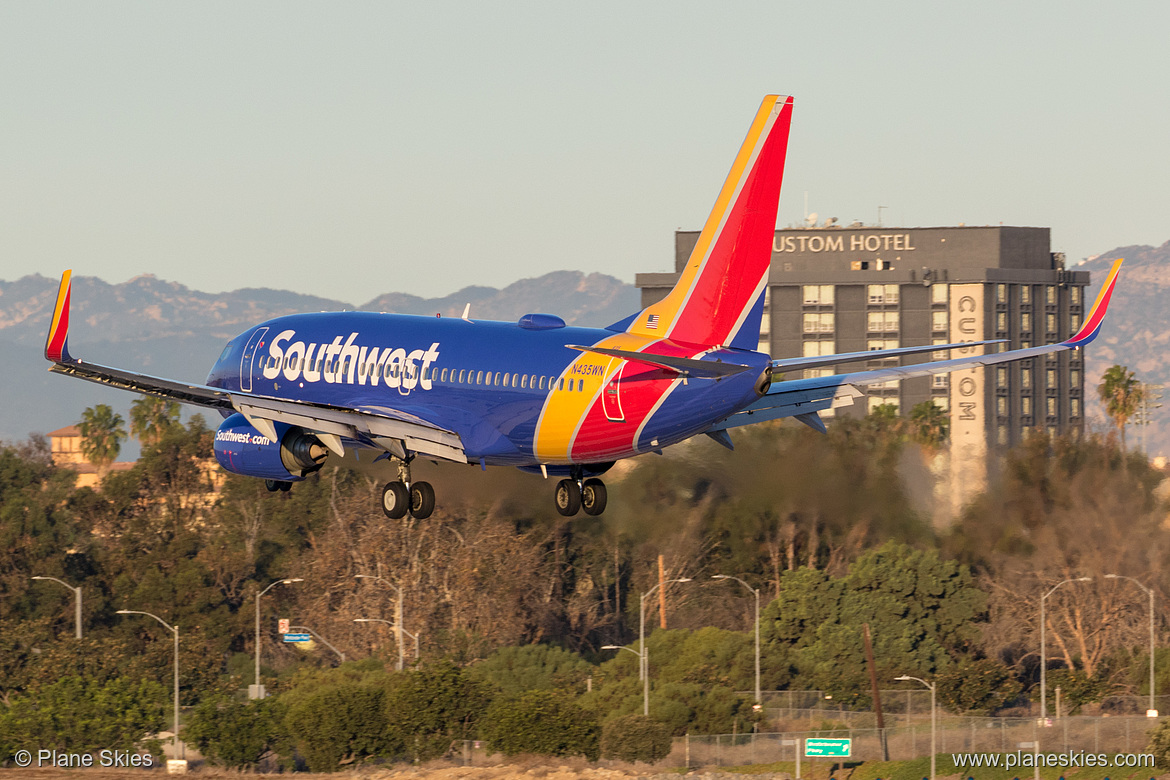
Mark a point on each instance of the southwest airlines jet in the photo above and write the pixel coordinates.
(357, 388)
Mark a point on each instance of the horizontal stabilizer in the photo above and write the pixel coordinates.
(785, 365)
(684, 366)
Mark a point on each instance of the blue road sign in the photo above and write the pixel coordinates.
(298, 637)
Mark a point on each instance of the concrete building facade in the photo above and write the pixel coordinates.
(837, 289)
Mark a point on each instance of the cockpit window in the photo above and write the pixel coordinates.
(226, 351)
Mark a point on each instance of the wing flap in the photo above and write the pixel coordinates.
(684, 366)
(801, 363)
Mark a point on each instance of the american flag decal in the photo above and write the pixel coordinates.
(652, 322)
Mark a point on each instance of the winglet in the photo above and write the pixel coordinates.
(57, 345)
(1096, 315)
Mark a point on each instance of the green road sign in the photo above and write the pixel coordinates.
(838, 748)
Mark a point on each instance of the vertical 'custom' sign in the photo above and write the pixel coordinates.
(967, 398)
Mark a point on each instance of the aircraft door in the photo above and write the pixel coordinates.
(248, 359)
(611, 396)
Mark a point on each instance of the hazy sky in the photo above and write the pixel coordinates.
(349, 149)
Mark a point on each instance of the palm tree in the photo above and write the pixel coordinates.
(102, 433)
(151, 418)
(1121, 393)
(929, 426)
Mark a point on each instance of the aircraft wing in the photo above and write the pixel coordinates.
(393, 430)
(804, 398)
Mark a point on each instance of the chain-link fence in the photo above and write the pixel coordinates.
(953, 735)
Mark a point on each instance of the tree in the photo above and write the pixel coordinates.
(546, 723)
(1121, 393)
(102, 434)
(151, 418)
(338, 725)
(531, 667)
(635, 738)
(236, 733)
(929, 426)
(428, 710)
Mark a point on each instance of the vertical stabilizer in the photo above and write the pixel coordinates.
(719, 293)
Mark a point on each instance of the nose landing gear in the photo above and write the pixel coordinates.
(398, 498)
(575, 494)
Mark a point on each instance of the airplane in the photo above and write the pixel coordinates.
(360, 388)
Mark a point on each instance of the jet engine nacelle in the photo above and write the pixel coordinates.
(241, 449)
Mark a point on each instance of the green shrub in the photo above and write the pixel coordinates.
(979, 686)
(542, 722)
(429, 709)
(635, 738)
(340, 723)
(532, 667)
(235, 733)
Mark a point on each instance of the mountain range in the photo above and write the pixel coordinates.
(170, 330)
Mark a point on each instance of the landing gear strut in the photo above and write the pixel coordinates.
(576, 493)
(398, 498)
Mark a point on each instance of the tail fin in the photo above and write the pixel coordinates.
(720, 292)
(57, 344)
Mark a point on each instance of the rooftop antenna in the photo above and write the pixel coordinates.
(880, 214)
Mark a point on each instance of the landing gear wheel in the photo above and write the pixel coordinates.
(395, 500)
(593, 497)
(568, 497)
(422, 500)
(272, 485)
(285, 487)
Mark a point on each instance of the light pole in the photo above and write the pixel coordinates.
(387, 622)
(641, 659)
(258, 693)
(645, 655)
(933, 718)
(175, 629)
(76, 603)
(1152, 710)
(755, 591)
(320, 638)
(1044, 646)
(397, 614)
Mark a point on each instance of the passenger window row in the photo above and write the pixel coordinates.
(461, 377)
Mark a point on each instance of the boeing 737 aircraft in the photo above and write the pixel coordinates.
(360, 388)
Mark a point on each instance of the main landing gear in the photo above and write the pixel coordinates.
(575, 494)
(398, 498)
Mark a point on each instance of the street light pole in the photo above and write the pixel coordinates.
(645, 666)
(1149, 592)
(397, 614)
(933, 718)
(1044, 646)
(755, 591)
(258, 595)
(641, 658)
(175, 629)
(76, 603)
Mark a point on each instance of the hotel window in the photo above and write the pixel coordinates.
(1026, 406)
(818, 322)
(1075, 296)
(882, 321)
(940, 380)
(1001, 321)
(1051, 378)
(1074, 321)
(1001, 377)
(1001, 434)
(818, 348)
(942, 402)
(818, 295)
(938, 321)
(876, 344)
(1050, 321)
(882, 293)
(1074, 407)
(1001, 293)
(938, 293)
(1026, 378)
(1026, 294)
(941, 354)
(1074, 378)
(876, 400)
(1050, 295)
(1025, 322)
(1052, 407)
(1001, 407)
